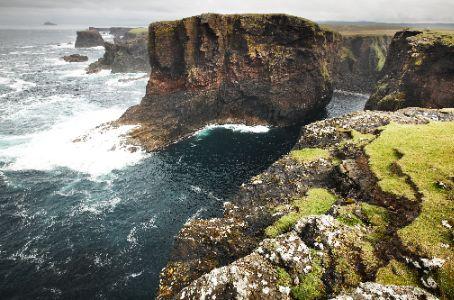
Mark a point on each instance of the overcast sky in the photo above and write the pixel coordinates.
(141, 12)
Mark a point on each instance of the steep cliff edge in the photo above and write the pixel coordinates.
(419, 71)
(360, 61)
(88, 38)
(253, 69)
(347, 213)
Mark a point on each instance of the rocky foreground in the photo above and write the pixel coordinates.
(419, 71)
(253, 69)
(362, 208)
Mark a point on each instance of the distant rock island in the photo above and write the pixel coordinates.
(48, 23)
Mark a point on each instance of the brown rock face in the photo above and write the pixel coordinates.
(360, 62)
(419, 71)
(88, 38)
(253, 69)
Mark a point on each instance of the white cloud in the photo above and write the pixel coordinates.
(118, 12)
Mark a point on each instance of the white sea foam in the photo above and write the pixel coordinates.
(234, 127)
(100, 151)
(16, 84)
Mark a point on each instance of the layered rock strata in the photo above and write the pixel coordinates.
(253, 69)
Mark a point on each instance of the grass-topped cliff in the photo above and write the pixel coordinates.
(362, 198)
(419, 71)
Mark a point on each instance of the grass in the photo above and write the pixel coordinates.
(397, 273)
(311, 285)
(347, 215)
(316, 202)
(380, 54)
(426, 156)
(309, 154)
(138, 31)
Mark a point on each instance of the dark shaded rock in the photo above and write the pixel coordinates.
(88, 38)
(75, 58)
(360, 62)
(253, 69)
(124, 57)
(419, 71)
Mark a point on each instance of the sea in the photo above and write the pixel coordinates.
(82, 216)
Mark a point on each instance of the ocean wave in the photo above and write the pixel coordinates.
(234, 127)
(78, 144)
(132, 236)
(16, 84)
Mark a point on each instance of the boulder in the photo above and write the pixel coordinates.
(75, 58)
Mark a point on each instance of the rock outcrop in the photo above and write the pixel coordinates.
(253, 69)
(88, 38)
(419, 71)
(360, 62)
(324, 221)
(75, 58)
(126, 56)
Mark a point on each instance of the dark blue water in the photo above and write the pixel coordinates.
(91, 219)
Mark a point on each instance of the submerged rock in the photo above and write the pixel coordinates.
(88, 38)
(253, 69)
(419, 71)
(75, 58)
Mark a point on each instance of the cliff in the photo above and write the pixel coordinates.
(360, 61)
(124, 56)
(419, 71)
(88, 38)
(347, 213)
(253, 69)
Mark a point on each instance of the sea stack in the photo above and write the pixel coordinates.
(419, 71)
(269, 69)
(89, 38)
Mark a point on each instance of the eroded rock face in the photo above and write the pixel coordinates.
(419, 71)
(360, 62)
(88, 38)
(125, 56)
(253, 69)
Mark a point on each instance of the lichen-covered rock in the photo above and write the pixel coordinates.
(371, 290)
(355, 240)
(360, 61)
(75, 58)
(253, 69)
(419, 71)
(88, 38)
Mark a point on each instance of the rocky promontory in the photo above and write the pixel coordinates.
(124, 56)
(252, 69)
(360, 61)
(88, 38)
(419, 71)
(361, 208)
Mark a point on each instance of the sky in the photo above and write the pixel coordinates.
(142, 12)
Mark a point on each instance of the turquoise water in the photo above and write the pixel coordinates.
(80, 215)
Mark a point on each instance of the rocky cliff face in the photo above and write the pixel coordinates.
(328, 220)
(88, 38)
(254, 69)
(125, 56)
(419, 71)
(360, 62)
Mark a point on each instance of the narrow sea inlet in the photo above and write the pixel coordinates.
(87, 217)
